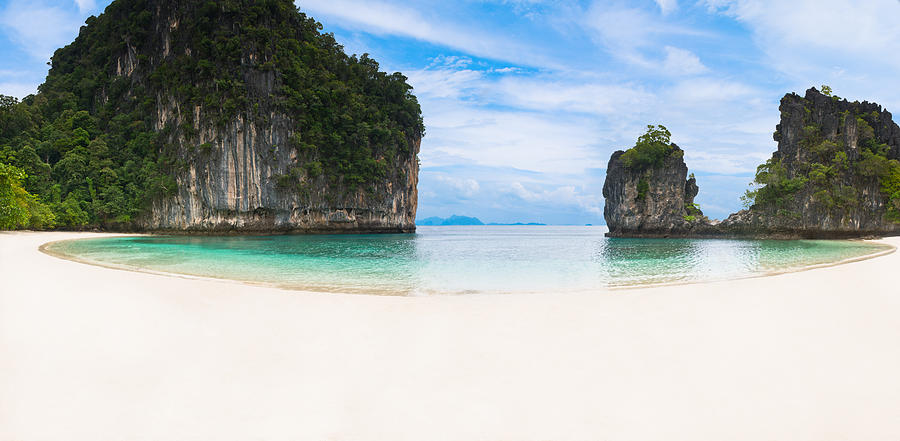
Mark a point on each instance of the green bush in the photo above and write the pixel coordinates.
(642, 187)
(826, 175)
(776, 188)
(18, 208)
(692, 209)
(890, 186)
(650, 150)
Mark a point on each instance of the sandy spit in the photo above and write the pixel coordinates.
(91, 353)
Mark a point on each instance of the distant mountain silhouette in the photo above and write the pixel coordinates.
(452, 220)
(461, 220)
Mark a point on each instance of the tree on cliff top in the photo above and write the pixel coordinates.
(650, 150)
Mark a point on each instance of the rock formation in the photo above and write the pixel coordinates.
(656, 201)
(835, 174)
(256, 121)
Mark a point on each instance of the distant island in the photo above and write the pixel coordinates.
(435, 221)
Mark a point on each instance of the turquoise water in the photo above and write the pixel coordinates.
(459, 260)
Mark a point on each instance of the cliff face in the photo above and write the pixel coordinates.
(656, 201)
(829, 150)
(835, 174)
(235, 187)
(261, 122)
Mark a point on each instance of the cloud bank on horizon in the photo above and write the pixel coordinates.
(524, 100)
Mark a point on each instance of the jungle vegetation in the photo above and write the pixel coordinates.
(85, 152)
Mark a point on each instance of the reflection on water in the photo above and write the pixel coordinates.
(453, 260)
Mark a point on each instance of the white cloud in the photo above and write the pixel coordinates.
(539, 142)
(466, 188)
(848, 45)
(621, 30)
(553, 93)
(634, 36)
(705, 90)
(563, 195)
(37, 28)
(86, 5)
(683, 62)
(570, 122)
(443, 83)
(403, 20)
(866, 27)
(451, 61)
(667, 6)
(512, 120)
(17, 89)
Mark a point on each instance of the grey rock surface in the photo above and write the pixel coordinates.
(802, 214)
(658, 211)
(233, 173)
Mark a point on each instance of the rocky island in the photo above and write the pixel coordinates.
(835, 175)
(233, 116)
(647, 189)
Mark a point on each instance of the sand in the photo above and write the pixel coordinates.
(91, 353)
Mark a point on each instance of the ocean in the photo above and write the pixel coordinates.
(461, 260)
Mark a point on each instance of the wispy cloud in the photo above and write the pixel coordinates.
(557, 92)
(39, 28)
(845, 44)
(86, 5)
(667, 6)
(636, 36)
(405, 20)
(17, 89)
(683, 62)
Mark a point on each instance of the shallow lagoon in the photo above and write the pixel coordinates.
(461, 260)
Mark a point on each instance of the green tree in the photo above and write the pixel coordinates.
(650, 149)
(13, 209)
(18, 208)
(89, 144)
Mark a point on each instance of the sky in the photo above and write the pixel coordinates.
(525, 100)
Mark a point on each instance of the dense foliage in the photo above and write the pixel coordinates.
(650, 149)
(827, 175)
(88, 144)
(18, 208)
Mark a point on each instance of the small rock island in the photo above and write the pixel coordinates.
(836, 174)
(647, 189)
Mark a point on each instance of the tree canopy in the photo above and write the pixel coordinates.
(89, 145)
(650, 149)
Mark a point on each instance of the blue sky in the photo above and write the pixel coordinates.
(524, 100)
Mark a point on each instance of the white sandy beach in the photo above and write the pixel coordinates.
(90, 353)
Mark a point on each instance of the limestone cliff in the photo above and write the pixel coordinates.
(256, 120)
(235, 186)
(835, 174)
(829, 175)
(653, 201)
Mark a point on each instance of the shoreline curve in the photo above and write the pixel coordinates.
(46, 249)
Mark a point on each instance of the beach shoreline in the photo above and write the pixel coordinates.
(47, 248)
(89, 353)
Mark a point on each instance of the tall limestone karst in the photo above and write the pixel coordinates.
(232, 115)
(647, 189)
(835, 174)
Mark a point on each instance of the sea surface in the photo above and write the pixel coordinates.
(461, 260)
